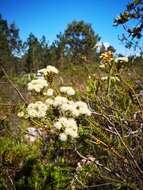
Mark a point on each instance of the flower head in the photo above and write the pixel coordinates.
(113, 78)
(107, 57)
(68, 126)
(48, 69)
(121, 59)
(52, 69)
(68, 90)
(63, 137)
(37, 109)
(49, 92)
(37, 85)
(82, 108)
(59, 100)
(20, 114)
(32, 134)
(49, 102)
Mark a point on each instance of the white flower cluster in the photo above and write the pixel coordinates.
(37, 85)
(68, 127)
(32, 134)
(49, 102)
(20, 114)
(121, 59)
(82, 108)
(48, 69)
(37, 109)
(49, 92)
(102, 65)
(67, 90)
(85, 161)
(59, 100)
(112, 78)
(76, 108)
(68, 110)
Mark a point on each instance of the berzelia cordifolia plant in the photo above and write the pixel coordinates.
(53, 110)
(54, 117)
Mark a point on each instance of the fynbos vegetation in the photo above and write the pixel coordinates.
(71, 113)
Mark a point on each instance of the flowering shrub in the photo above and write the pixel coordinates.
(59, 110)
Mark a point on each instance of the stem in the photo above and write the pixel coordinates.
(13, 85)
(109, 79)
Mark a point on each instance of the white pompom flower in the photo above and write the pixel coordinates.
(83, 108)
(32, 134)
(37, 85)
(37, 109)
(58, 125)
(49, 69)
(20, 114)
(52, 69)
(49, 92)
(63, 137)
(59, 100)
(49, 102)
(68, 90)
(121, 59)
(68, 126)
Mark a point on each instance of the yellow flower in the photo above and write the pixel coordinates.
(107, 57)
(98, 141)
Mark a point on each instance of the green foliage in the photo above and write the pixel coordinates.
(79, 40)
(131, 20)
(9, 45)
(36, 53)
(9, 38)
(110, 137)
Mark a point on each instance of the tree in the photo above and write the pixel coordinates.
(36, 53)
(132, 21)
(9, 43)
(79, 39)
(44, 52)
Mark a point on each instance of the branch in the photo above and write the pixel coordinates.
(13, 85)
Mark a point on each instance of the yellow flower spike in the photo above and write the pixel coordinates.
(107, 57)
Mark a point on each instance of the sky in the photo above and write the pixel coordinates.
(50, 17)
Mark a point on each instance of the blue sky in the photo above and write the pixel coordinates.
(50, 17)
